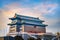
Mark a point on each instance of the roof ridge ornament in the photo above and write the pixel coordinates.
(15, 15)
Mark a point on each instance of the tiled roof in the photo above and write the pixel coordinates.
(27, 20)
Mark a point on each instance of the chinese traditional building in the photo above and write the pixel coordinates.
(27, 24)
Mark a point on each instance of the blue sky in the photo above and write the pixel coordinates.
(47, 10)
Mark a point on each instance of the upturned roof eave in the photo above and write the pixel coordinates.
(43, 25)
(26, 19)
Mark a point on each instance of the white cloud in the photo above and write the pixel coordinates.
(37, 11)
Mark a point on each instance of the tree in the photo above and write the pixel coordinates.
(18, 38)
(58, 35)
(38, 39)
(31, 38)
